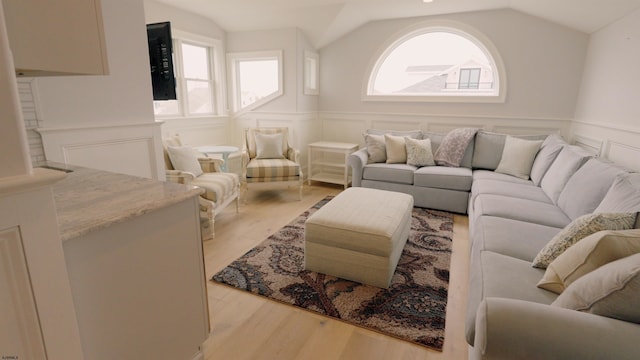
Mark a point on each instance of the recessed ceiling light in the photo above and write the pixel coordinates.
(427, 1)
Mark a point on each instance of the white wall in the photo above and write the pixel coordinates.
(543, 62)
(607, 116)
(98, 121)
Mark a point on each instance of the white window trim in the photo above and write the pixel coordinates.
(232, 66)
(453, 27)
(217, 63)
(308, 55)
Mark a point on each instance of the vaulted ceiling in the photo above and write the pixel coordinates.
(323, 21)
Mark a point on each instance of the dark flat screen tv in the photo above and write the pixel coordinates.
(161, 61)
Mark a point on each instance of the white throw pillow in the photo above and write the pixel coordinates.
(396, 149)
(185, 158)
(269, 146)
(518, 156)
(419, 152)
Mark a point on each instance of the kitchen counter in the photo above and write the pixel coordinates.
(88, 200)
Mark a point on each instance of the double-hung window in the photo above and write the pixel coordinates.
(196, 67)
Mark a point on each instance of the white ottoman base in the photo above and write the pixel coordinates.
(365, 245)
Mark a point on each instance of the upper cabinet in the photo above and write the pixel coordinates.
(63, 37)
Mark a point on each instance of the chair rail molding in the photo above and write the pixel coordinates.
(103, 147)
(614, 142)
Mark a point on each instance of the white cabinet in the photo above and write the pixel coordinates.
(56, 37)
(328, 162)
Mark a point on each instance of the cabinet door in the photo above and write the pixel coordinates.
(56, 37)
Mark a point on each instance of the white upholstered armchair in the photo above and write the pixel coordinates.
(269, 161)
(184, 165)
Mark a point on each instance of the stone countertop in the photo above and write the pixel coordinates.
(88, 199)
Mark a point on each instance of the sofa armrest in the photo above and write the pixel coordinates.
(357, 160)
(293, 155)
(516, 329)
(210, 165)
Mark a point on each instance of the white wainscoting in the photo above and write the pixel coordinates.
(349, 127)
(133, 149)
(618, 144)
(200, 131)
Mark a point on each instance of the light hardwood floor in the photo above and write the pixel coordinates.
(246, 326)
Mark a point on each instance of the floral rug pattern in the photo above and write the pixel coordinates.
(412, 309)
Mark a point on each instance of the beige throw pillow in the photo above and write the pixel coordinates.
(611, 290)
(419, 152)
(185, 158)
(396, 149)
(587, 255)
(376, 148)
(518, 156)
(577, 230)
(269, 146)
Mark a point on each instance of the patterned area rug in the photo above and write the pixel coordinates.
(412, 309)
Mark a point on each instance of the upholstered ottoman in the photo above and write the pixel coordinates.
(359, 235)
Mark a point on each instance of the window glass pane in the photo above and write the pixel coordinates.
(199, 97)
(166, 108)
(257, 79)
(434, 63)
(195, 61)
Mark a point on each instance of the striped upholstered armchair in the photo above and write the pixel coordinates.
(268, 161)
(184, 165)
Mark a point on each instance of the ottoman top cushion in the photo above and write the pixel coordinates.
(360, 219)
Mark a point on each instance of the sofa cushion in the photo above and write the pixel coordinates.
(497, 275)
(612, 290)
(442, 177)
(566, 164)
(519, 239)
(517, 157)
(587, 187)
(549, 150)
(393, 173)
(488, 147)
(376, 148)
(269, 146)
(419, 152)
(453, 147)
(265, 170)
(520, 209)
(492, 175)
(580, 228)
(623, 196)
(517, 190)
(587, 255)
(396, 149)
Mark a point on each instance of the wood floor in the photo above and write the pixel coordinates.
(246, 326)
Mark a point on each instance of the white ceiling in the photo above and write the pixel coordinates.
(326, 20)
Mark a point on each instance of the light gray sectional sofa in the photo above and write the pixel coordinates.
(510, 221)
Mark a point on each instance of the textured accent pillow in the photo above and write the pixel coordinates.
(269, 146)
(396, 149)
(577, 230)
(376, 148)
(517, 157)
(587, 255)
(419, 152)
(623, 195)
(611, 290)
(185, 158)
(453, 147)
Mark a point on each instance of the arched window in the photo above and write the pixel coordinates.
(438, 63)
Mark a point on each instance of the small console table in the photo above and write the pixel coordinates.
(326, 164)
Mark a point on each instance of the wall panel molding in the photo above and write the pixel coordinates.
(616, 143)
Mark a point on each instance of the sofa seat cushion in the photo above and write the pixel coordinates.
(264, 170)
(443, 177)
(491, 175)
(497, 275)
(517, 190)
(393, 173)
(520, 209)
(218, 186)
(519, 239)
